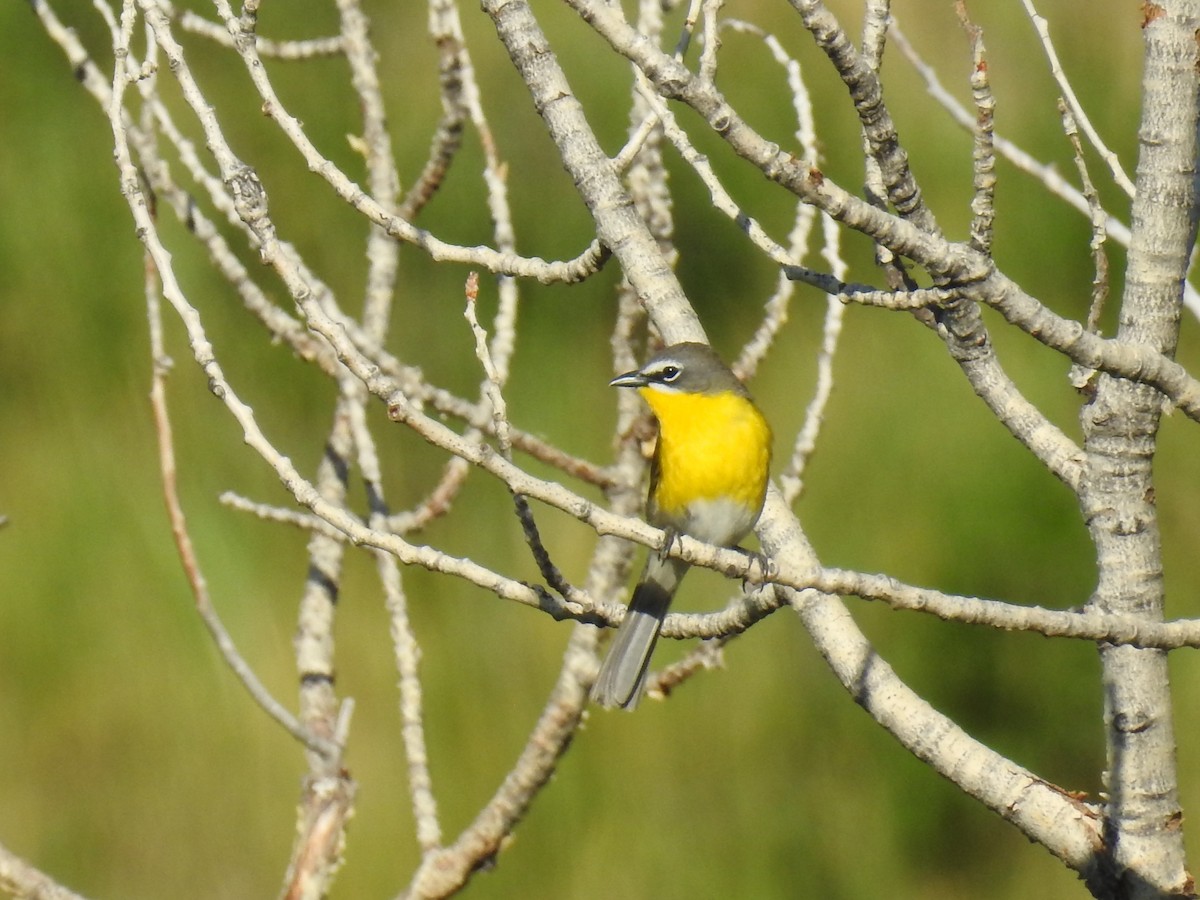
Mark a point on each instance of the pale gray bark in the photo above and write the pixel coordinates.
(1127, 845)
(1143, 818)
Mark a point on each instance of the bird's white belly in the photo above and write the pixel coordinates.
(719, 520)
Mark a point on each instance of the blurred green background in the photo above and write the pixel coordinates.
(131, 763)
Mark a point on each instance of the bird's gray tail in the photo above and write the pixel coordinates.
(623, 673)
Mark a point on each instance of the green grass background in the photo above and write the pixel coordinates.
(131, 763)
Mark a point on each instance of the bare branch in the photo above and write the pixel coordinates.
(196, 580)
(279, 515)
(984, 155)
(1046, 174)
(175, 153)
(617, 223)
(1114, 163)
(963, 329)
(878, 128)
(1120, 426)
(445, 871)
(495, 397)
(161, 365)
(29, 883)
(282, 50)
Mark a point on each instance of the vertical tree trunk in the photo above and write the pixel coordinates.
(1143, 828)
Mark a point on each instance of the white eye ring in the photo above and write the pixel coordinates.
(670, 373)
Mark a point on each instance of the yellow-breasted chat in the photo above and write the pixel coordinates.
(708, 479)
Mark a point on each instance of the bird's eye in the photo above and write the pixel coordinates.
(670, 373)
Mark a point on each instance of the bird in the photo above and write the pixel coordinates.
(708, 480)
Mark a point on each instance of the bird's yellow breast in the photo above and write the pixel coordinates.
(711, 447)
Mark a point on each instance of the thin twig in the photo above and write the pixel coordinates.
(1122, 180)
(279, 515)
(187, 555)
(299, 51)
(27, 882)
(406, 648)
(866, 295)
(983, 156)
(160, 367)
(707, 656)
(1080, 376)
(866, 92)
(791, 479)
(495, 396)
(1045, 173)
(778, 304)
(445, 872)
(412, 714)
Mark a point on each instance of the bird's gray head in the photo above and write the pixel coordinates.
(689, 368)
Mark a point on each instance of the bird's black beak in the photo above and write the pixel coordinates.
(629, 379)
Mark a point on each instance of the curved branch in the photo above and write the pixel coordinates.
(445, 871)
(25, 881)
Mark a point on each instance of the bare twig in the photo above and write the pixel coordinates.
(1080, 376)
(707, 656)
(778, 304)
(279, 515)
(191, 566)
(412, 717)
(220, 199)
(161, 366)
(984, 154)
(495, 396)
(444, 872)
(324, 812)
(1114, 163)
(283, 50)
(27, 882)
(1046, 174)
